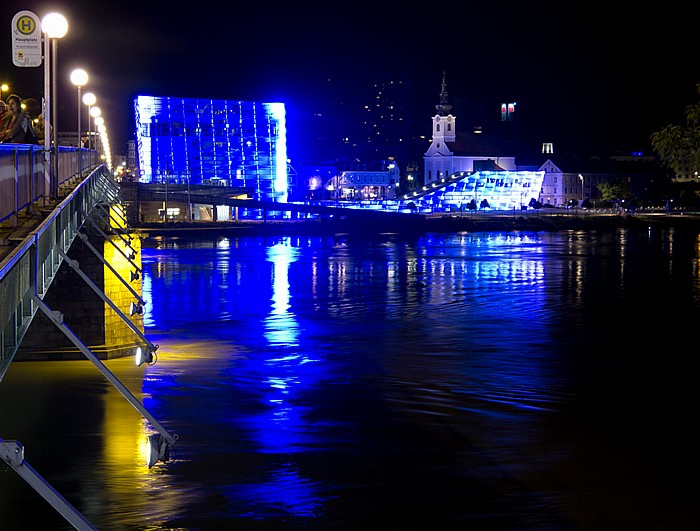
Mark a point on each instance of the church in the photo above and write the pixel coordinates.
(452, 152)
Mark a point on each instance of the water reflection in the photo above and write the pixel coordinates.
(281, 326)
(501, 381)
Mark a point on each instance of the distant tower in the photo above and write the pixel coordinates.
(444, 131)
(443, 108)
(444, 126)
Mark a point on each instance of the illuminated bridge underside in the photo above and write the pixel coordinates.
(503, 190)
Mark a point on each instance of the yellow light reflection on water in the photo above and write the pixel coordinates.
(69, 411)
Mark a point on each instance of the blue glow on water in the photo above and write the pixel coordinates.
(303, 370)
(281, 326)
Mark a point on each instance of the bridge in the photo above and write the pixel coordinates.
(46, 198)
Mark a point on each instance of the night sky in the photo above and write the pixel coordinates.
(579, 74)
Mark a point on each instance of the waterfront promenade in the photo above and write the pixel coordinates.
(544, 220)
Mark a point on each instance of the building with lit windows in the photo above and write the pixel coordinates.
(451, 151)
(461, 169)
(240, 144)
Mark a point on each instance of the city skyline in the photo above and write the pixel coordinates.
(578, 76)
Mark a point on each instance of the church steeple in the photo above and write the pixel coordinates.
(443, 108)
(444, 134)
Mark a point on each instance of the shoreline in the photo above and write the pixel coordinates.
(487, 222)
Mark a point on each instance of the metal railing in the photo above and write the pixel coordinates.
(26, 179)
(30, 268)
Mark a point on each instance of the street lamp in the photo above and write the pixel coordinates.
(54, 26)
(583, 197)
(99, 128)
(95, 112)
(89, 99)
(3, 88)
(79, 78)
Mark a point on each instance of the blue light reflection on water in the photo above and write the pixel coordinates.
(481, 336)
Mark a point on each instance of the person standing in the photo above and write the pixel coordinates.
(33, 109)
(4, 115)
(19, 128)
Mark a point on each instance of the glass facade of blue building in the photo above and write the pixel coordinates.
(500, 190)
(223, 142)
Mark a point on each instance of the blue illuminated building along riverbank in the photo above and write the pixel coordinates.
(243, 145)
(203, 141)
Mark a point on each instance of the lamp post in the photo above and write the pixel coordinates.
(54, 26)
(95, 112)
(89, 99)
(3, 88)
(79, 78)
(99, 128)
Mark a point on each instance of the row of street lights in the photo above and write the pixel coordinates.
(55, 26)
(79, 78)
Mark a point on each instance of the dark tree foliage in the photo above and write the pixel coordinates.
(679, 146)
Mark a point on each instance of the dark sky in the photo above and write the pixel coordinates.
(579, 73)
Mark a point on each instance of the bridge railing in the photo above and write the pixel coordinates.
(32, 267)
(24, 178)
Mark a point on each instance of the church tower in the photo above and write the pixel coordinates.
(444, 131)
(443, 122)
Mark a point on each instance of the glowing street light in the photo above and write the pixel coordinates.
(79, 77)
(3, 88)
(95, 112)
(89, 99)
(99, 128)
(54, 26)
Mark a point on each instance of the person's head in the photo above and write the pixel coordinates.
(3, 107)
(33, 108)
(14, 104)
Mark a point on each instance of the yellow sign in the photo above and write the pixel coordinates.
(26, 39)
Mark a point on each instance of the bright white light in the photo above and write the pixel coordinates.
(79, 77)
(54, 25)
(143, 355)
(89, 99)
(157, 450)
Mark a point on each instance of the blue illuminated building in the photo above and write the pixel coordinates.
(242, 145)
(222, 142)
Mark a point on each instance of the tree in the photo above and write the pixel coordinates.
(534, 203)
(484, 204)
(612, 191)
(679, 146)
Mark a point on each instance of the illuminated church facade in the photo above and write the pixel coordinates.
(459, 170)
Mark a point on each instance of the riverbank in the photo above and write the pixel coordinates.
(481, 222)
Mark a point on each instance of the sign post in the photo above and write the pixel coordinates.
(26, 39)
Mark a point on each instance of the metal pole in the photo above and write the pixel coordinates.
(57, 319)
(80, 144)
(12, 452)
(47, 120)
(89, 129)
(54, 120)
(189, 202)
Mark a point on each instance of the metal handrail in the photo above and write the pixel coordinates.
(24, 181)
(34, 263)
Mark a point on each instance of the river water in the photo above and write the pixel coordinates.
(481, 381)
